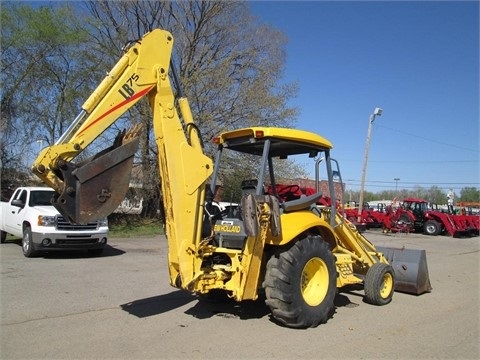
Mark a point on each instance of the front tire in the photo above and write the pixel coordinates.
(27, 243)
(431, 227)
(3, 236)
(379, 284)
(300, 284)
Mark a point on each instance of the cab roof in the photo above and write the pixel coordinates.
(284, 141)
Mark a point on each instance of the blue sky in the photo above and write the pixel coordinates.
(418, 61)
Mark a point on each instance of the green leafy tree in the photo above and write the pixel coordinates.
(44, 74)
(469, 194)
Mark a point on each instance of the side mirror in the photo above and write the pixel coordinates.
(18, 203)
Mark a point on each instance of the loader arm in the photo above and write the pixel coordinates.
(94, 188)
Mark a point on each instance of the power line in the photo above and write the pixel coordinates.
(425, 161)
(376, 188)
(431, 140)
(409, 185)
(416, 183)
(415, 161)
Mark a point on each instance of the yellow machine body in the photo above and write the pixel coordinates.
(295, 252)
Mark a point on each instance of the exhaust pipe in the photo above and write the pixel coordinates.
(411, 270)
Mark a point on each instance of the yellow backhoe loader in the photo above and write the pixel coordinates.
(296, 253)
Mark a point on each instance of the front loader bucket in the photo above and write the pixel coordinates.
(95, 188)
(411, 270)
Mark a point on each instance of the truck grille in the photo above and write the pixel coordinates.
(63, 224)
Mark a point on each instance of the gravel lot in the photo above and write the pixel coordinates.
(121, 306)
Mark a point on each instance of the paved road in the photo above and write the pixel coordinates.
(120, 306)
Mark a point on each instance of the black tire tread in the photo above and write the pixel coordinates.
(31, 250)
(373, 281)
(433, 222)
(282, 284)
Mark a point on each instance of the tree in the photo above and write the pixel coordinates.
(44, 74)
(230, 70)
(469, 194)
(435, 195)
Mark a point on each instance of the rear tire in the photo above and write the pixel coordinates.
(3, 236)
(300, 284)
(379, 284)
(431, 227)
(27, 243)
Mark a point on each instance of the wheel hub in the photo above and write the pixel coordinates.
(314, 282)
(387, 285)
(26, 243)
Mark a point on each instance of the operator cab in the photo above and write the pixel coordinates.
(271, 154)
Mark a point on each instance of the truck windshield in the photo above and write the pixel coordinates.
(40, 198)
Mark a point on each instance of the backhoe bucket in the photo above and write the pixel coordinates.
(411, 270)
(95, 188)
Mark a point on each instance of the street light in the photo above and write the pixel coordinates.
(377, 112)
(396, 183)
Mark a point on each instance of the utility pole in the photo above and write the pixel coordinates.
(376, 112)
(396, 183)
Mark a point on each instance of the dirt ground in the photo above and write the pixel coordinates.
(121, 306)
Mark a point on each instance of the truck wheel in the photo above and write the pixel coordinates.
(3, 236)
(300, 284)
(27, 243)
(431, 227)
(379, 284)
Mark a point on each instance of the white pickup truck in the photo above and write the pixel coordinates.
(30, 215)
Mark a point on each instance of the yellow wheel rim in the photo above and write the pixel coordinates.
(387, 285)
(315, 281)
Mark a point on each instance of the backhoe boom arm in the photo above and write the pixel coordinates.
(93, 188)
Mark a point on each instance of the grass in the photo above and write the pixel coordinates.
(132, 226)
(127, 226)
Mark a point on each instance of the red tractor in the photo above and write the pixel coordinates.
(416, 216)
(370, 218)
